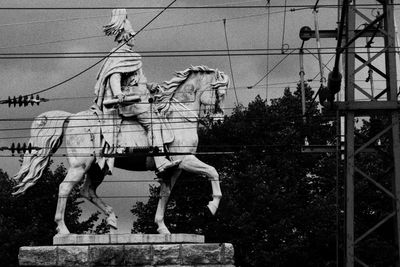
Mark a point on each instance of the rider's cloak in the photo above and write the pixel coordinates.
(121, 60)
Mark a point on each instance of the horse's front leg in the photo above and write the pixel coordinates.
(194, 165)
(93, 179)
(74, 175)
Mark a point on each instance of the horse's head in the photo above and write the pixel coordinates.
(212, 95)
(201, 89)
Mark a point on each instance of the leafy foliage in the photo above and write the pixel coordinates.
(29, 219)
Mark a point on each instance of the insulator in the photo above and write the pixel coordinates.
(38, 99)
(30, 148)
(20, 100)
(23, 148)
(12, 148)
(9, 101)
(334, 82)
(14, 101)
(31, 100)
(26, 100)
(18, 148)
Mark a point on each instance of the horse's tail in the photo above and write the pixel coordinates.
(46, 137)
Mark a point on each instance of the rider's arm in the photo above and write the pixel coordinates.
(115, 84)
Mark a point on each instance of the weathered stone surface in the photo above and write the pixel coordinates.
(106, 255)
(228, 254)
(201, 254)
(129, 255)
(166, 254)
(73, 256)
(38, 256)
(138, 255)
(74, 239)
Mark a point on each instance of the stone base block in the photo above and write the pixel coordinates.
(128, 255)
(73, 239)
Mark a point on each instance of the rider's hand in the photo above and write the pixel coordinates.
(121, 97)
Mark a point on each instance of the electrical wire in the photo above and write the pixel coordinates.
(99, 61)
(283, 29)
(276, 65)
(95, 17)
(198, 51)
(230, 62)
(154, 56)
(189, 7)
(268, 30)
(148, 30)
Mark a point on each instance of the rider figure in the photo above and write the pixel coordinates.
(120, 75)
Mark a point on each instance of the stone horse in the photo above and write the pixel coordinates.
(180, 101)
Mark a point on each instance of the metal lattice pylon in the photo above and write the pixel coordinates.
(385, 103)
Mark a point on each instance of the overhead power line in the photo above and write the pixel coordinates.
(143, 52)
(99, 16)
(230, 62)
(186, 7)
(99, 61)
(94, 56)
(151, 29)
(269, 71)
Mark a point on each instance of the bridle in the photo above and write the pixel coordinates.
(214, 107)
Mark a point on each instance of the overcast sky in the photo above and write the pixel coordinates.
(60, 31)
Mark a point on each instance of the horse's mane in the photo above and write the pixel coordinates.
(168, 88)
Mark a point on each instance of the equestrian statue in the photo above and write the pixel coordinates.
(132, 125)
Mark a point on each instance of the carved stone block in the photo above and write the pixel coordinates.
(73, 256)
(228, 254)
(106, 255)
(138, 255)
(38, 256)
(201, 254)
(166, 254)
(129, 255)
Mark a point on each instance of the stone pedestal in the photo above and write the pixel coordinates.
(128, 250)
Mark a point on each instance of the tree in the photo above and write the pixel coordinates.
(279, 206)
(29, 219)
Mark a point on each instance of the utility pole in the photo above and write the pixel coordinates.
(385, 103)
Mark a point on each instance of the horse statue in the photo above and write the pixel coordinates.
(181, 101)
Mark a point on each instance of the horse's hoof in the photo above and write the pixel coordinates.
(112, 222)
(212, 208)
(163, 231)
(62, 231)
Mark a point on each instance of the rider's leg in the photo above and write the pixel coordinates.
(152, 123)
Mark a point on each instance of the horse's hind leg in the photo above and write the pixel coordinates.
(165, 192)
(192, 164)
(93, 179)
(74, 175)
